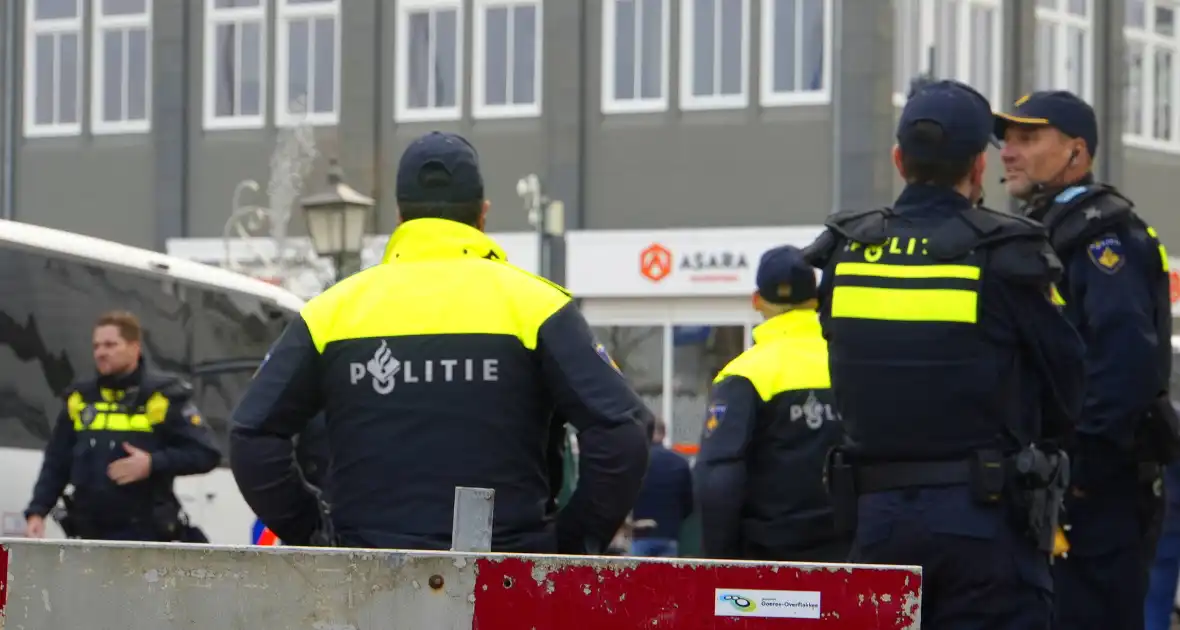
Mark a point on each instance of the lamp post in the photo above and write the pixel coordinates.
(546, 215)
(337, 221)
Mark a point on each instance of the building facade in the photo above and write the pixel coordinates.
(719, 121)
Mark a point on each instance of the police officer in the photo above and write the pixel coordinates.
(1115, 292)
(771, 423)
(952, 371)
(443, 366)
(120, 440)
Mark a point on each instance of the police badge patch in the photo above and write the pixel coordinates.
(601, 350)
(89, 413)
(1107, 254)
(716, 415)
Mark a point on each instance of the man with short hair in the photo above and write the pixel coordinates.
(771, 423)
(443, 366)
(121, 439)
(1115, 291)
(954, 375)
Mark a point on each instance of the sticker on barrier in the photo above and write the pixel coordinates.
(139, 586)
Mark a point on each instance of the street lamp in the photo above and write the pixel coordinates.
(337, 220)
(547, 216)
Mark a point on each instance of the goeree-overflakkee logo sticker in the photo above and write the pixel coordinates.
(779, 604)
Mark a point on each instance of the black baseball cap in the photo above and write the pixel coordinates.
(439, 167)
(963, 113)
(784, 277)
(1059, 109)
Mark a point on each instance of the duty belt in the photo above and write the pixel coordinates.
(871, 478)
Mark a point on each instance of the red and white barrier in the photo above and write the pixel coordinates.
(85, 585)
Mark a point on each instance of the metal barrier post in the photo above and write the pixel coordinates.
(471, 529)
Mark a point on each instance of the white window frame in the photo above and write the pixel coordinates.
(771, 98)
(98, 125)
(285, 13)
(33, 28)
(1060, 19)
(479, 106)
(1151, 41)
(927, 36)
(689, 102)
(637, 105)
(215, 17)
(402, 111)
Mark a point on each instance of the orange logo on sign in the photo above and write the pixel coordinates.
(1174, 285)
(655, 262)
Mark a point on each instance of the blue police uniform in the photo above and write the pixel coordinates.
(443, 366)
(948, 361)
(772, 417)
(1115, 292)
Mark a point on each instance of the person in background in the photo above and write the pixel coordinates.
(121, 439)
(771, 424)
(665, 501)
(1165, 571)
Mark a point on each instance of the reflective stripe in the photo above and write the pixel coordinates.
(1055, 295)
(1163, 250)
(104, 415)
(965, 272)
(907, 305)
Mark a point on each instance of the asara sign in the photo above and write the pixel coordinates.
(655, 264)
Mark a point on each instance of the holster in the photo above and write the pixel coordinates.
(171, 524)
(1157, 438)
(1039, 481)
(840, 480)
(65, 517)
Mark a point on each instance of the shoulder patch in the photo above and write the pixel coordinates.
(601, 350)
(716, 416)
(190, 413)
(1107, 254)
(1069, 194)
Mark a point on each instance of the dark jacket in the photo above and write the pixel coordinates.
(145, 409)
(666, 497)
(772, 421)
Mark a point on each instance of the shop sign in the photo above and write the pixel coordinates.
(702, 262)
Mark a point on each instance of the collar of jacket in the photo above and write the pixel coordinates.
(426, 239)
(122, 381)
(800, 323)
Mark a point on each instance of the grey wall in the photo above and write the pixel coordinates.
(675, 168)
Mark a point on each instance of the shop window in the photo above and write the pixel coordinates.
(639, 353)
(698, 354)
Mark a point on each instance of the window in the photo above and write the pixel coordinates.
(1064, 44)
(307, 61)
(235, 63)
(796, 51)
(953, 39)
(635, 55)
(507, 58)
(1150, 91)
(429, 66)
(121, 59)
(53, 68)
(714, 54)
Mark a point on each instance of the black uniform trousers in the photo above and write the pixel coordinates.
(1102, 582)
(978, 573)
